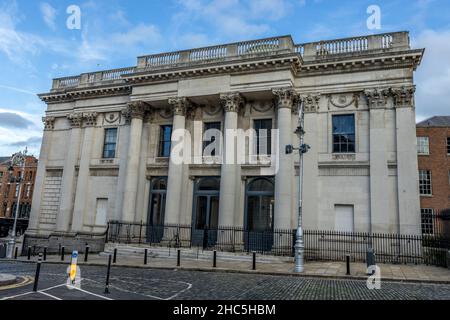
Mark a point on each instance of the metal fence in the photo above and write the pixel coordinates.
(319, 245)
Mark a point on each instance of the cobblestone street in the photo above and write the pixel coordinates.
(138, 284)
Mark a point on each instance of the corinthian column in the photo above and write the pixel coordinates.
(68, 178)
(229, 170)
(175, 176)
(49, 123)
(136, 111)
(90, 121)
(285, 99)
(407, 167)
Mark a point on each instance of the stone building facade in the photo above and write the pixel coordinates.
(106, 143)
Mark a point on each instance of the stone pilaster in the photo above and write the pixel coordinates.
(407, 166)
(180, 106)
(377, 100)
(49, 125)
(136, 111)
(82, 186)
(285, 100)
(68, 178)
(230, 170)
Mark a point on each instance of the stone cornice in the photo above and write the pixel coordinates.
(79, 94)
(380, 61)
(231, 101)
(285, 97)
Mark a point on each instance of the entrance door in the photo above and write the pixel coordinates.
(205, 215)
(156, 209)
(259, 215)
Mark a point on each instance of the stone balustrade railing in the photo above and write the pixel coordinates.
(356, 45)
(234, 51)
(87, 79)
(217, 53)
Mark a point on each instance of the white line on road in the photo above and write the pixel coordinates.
(49, 295)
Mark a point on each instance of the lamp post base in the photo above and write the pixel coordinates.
(299, 252)
(10, 248)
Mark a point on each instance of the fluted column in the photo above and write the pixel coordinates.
(175, 176)
(285, 99)
(68, 178)
(49, 123)
(136, 111)
(407, 166)
(82, 189)
(229, 170)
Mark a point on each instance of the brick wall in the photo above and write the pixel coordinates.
(439, 163)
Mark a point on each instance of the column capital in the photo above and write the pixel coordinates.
(310, 102)
(285, 97)
(403, 96)
(180, 105)
(376, 98)
(90, 119)
(49, 123)
(136, 109)
(231, 101)
(75, 119)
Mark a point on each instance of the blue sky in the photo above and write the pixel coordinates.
(36, 45)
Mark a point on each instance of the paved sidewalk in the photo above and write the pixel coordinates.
(409, 273)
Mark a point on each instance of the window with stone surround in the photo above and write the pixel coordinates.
(16, 194)
(343, 133)
(423, 146)
(109, 145)
(425, 182)
(165, 135)
(427, 220)
(263, 128)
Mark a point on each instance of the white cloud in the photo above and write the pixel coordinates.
(433, 75)
(48, 14)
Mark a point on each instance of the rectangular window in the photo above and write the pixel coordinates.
(263, 130)
(16, 194)
(165, 141)
(343, 133)
(209, 137)
(448, 146)
(427, 220)
(28, 190)
(425, 182)
(423, 146)
(109, 146)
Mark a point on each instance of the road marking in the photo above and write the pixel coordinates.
(88, 292)
(25, 281)
(49, 295)
(16, 296)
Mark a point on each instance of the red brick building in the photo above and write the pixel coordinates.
(433, 144)
(9, 193)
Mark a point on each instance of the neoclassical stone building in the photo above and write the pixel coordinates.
(107, 141)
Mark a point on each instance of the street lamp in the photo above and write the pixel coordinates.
(302, 149)
(17, 159)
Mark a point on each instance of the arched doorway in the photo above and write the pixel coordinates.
(259, 213)
(205, 211)
(156, 209)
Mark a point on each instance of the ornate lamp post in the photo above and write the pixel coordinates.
(17, 159)
(302, 149)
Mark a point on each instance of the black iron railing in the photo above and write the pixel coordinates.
(319, 245)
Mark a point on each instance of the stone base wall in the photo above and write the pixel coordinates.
(70, 242)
